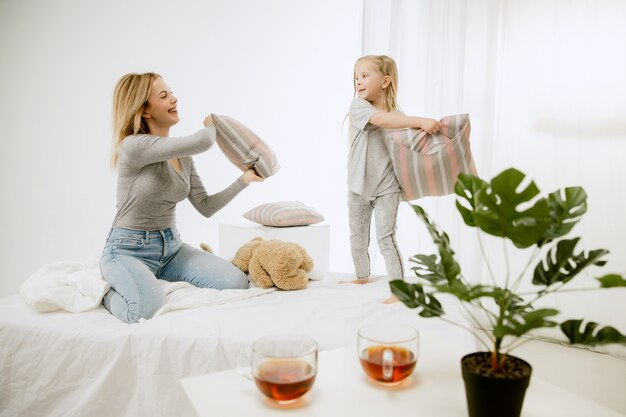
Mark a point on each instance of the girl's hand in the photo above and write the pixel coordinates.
(251, 176)
(208, 121)
(431, 126)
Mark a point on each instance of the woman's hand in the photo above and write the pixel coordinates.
(430, 126)
(208, 121)
(251, 176)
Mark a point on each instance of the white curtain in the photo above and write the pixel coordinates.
(543, 82)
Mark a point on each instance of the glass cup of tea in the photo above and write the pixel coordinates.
(388, 351)
(283, 367)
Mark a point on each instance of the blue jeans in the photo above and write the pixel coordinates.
(132, 261)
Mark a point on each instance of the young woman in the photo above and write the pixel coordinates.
(155, 172)
(372, 183)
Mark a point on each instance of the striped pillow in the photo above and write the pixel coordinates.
(428, 165)
(283, 214)
(243, 147)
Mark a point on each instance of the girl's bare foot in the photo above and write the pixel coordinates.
(391, 300)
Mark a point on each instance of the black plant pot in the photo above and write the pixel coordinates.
(501, 395)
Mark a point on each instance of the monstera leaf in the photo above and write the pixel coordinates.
(467, 187)
(497, 208)
(561, 264)
(414, 296)
(448, 267)
(612, 280)
(589, 336)
(522, 323)
(429, 268)
(566, 208)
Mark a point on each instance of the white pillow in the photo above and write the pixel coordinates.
(243, 147)
(284, 214)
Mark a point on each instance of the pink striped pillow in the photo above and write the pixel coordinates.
(428, 165)
(243, 147)
(283, 214)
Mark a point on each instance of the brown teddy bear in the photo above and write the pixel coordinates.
(274, 263)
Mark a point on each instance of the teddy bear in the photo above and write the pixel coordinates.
(274, 263)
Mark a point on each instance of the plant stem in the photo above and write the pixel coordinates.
(514, 345)
(488, 313)
(506, 262)
(473, 332)
(518, 280)
(470, 330)
(478, 326)
(436, 314)
(484, 255)
(504, 305)
(496, 362)
(555, 289)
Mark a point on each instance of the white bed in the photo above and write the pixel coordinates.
(91, 364)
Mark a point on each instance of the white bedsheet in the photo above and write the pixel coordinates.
(91, 364)
(69, 286)
(78, 287)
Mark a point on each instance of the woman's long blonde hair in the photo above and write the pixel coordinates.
(386, 67)
(129, 101)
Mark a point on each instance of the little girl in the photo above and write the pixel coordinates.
(372, 183)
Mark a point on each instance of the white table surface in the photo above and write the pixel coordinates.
(341, 389)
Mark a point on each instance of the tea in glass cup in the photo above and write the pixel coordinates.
(388, 351)
(283, 367)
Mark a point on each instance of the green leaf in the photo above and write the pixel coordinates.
(466, 187)
(566, 208)
(495, 208)
(448, 267)
(522, 323)
(414, 296)
(429, 268)
(562, 265)
(588, 336)
(466, 292)
(612, 280)
(512, 303)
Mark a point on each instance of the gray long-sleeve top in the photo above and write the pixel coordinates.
(148, 187)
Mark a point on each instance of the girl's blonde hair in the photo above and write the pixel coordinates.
(129, 101)
(385, 66)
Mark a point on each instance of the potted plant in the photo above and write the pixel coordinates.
(509, 207)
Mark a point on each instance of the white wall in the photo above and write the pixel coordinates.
(283, 67)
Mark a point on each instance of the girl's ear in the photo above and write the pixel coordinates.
(386, 81)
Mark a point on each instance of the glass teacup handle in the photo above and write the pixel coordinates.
(387, 364)
(243, 363)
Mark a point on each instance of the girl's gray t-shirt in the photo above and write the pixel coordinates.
(148, 186)
(370, 170)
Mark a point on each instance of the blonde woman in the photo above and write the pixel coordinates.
(155, 172)
(372, 184)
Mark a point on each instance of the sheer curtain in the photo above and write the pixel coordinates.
(544, 85)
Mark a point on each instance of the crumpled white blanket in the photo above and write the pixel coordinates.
(78, 286)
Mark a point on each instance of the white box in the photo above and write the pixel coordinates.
(315, 238)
